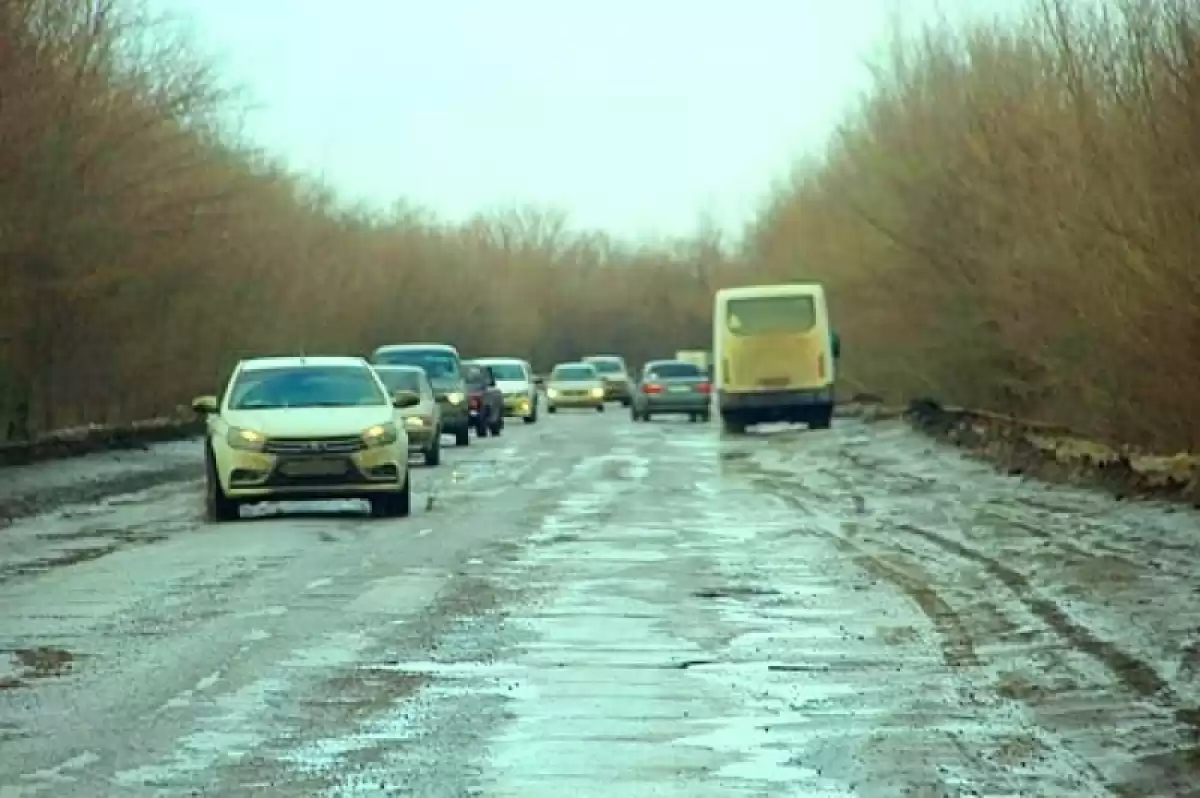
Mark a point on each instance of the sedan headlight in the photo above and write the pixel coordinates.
(381, 435)
(416, 422)
(598, 393)
(551, 392)
(246, 440)
(454, 398)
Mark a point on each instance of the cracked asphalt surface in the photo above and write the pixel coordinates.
(593, 607)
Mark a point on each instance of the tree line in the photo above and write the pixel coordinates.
(1008, 221)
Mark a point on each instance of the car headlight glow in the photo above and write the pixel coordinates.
(598, 392)
(416, 422)
(551, 392)
(246, 440)
(454, 398)
(381, 435)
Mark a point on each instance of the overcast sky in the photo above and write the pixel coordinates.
(634, 115)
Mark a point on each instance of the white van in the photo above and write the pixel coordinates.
(774, 355)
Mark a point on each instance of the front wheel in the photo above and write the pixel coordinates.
(626, 402)
(599, 408)
(433, 455)
(217, 506)
(394, 505)
(551, 409)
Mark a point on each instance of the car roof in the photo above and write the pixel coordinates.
(400, 347)
(603, 357)
(673, 361)
(486, 360)
(302, 361)
(572, 363)
(399, 367)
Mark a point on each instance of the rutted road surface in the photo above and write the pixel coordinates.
(592, 607)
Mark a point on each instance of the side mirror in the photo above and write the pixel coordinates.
(403, 399)
(538, 379)
(205, 405)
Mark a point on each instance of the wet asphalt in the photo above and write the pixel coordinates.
(593, 607)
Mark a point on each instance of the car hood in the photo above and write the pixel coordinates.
(448, 386)
(512, 386)
(311, 422)
(423, 409)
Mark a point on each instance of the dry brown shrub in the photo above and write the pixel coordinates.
(1012, 220)
(142, 251)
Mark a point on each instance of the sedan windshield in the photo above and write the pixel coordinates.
(507, 371)
(401, 379)
(438, 364)
(573, 373)
(306, 386)
(607, 366)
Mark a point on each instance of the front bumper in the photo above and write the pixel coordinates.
(616, 389)
(261, 476)
(420, 437)
(568, 400)
(521, 405)
(454, 417)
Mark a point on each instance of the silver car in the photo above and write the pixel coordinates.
(672, 386)
(574, 385)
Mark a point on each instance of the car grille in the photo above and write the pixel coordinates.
(312, 446)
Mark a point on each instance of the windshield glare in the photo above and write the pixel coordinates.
(437, 364)
(507, 371)
(306, 386)
(665, 371)
(573, 373)
(397, 380)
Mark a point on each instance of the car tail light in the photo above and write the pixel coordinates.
(704, 387)
(475, 401)
(652, 387)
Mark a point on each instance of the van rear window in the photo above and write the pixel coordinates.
(771, 314)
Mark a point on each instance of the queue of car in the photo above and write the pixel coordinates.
(340, 427)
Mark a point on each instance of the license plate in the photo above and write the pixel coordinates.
(680, 389)
(321, 467)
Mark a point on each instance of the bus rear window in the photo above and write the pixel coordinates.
(769, 315)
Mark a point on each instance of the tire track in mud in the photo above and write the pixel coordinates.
(1134, 674)
(1176, 768)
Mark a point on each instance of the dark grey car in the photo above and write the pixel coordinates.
(674, 387)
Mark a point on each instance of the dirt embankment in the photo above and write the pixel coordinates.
(89, 440)
(1044, 451)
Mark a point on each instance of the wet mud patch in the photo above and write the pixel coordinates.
(63, 559)
(42, 662)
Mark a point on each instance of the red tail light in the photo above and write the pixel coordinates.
(652, 388)
(704, 387)
(475, 401)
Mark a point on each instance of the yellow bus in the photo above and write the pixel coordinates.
(774, 356)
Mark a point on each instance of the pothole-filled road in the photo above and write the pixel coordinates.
(593, 607)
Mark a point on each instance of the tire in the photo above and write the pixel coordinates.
(823, 420)
(218, 508)
(626, 402)
(732, 424)
(646, 416)
(599, 408)
(481, 427)
(533, 414)
(433, 455)
(691, 418)
(394, 505)
(462, 437)
(497, 426)
(705, 417)
(551, 409)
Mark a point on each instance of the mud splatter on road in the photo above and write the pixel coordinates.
(594, 607)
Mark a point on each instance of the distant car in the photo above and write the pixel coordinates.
(514, 378)
(444, 369)
(615, 375)
(574, 385)
(672, 386)
(422, 422)
(485, 402)
(305, 428)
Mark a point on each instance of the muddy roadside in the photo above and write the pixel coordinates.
(41, 487)
(1043, 451)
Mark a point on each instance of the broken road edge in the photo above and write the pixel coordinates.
(1048, 452)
